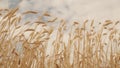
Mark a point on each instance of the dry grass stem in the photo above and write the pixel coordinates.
(38, 44)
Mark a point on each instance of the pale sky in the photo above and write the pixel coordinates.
(70, 9)
(3, 4)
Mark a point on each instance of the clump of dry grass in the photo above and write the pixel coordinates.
(39, 45)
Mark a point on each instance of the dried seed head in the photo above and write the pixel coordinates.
(30, 12)
(46, 14)
(18, 27)
(117, 22)
(53, 20)
(40, 22)
(27, 23)
(75, 23)
(104, 33)
(92, 23)
(107, 22)
(30, 30)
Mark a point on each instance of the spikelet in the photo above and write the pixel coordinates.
(117, 22)
(18, 27)
(27, 23)
(4, 31)
(92, 23)
(11, 13)
(30, 30)
(30, 12)
(53, 20)
(84, 24)
(50, 31)
(107, 22)
(39, 22)
(14, 11)
(19, 19)
(75, 23)
(111, 34)
(46, 14)
(13, 21)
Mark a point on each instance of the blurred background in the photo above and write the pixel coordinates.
(70, 9)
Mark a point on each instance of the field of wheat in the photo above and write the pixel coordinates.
(38, 44)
